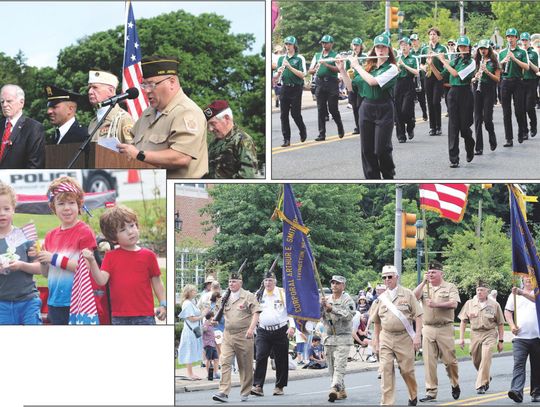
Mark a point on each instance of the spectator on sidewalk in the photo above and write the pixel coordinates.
(317, 358)
(209, 345)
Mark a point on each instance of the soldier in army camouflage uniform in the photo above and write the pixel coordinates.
(232, 152)
(118, 123)
(337, 314)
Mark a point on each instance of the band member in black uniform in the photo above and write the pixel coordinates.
(485, 82)
(434, 86)
(530, 83)
(376, 84)
(354, 97)
(513, 61)
(291, 69)
(420, 79)
(460, 100)
(327, 86)
(405, 90)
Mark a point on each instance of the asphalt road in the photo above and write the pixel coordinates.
(364, 389)
(424, 157)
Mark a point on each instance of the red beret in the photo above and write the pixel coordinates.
(215, 108)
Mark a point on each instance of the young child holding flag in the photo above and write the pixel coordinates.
(19, 297)
(131, 271)
(60, 255)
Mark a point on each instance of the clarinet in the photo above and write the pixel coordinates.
(479, 83)
(506, 66)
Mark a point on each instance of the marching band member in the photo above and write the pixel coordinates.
(405, 89)
(354, 96)
(485, 88)
(376, 84)
(420, 79)
(530, 83)
(293, 70)
(460, 100)
(513, 61)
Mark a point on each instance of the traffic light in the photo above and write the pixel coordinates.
(408, 230)
(394, 18)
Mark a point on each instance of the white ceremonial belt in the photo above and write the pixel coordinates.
(273, 327)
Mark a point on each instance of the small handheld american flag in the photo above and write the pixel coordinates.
(30, 232)
(82, 309)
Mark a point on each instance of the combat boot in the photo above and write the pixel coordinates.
(342, 395)
(333, 395)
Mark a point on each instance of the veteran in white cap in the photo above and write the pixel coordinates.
(118, 123)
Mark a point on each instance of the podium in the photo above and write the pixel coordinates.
(95, 156)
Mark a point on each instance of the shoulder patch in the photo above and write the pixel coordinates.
(191, 125)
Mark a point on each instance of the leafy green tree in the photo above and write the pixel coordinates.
(522, 15)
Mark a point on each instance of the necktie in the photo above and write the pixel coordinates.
(5, 138)
(56, 136)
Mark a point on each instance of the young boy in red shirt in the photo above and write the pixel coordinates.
(131, 271)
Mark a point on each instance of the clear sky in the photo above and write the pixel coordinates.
(42, 28)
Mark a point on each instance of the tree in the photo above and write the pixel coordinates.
(522, 15)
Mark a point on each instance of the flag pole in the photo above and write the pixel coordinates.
(514, 315)
(426, 255)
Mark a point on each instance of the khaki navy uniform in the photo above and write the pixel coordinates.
(181, 127)
(238, 314)
(484, 322)
(118, 123)
(438, 335)
(395, 342)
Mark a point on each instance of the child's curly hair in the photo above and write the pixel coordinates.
(65, 188)
(6, 189)
(113, 219)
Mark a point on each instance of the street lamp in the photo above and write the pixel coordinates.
(401, 17)
(177, 221)
(420, 236)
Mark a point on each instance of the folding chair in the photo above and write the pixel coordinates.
(359, 353)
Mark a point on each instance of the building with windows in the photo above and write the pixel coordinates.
(191, 239)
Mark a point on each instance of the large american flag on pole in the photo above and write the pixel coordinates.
(82, 309)
(449, 200)
(132, 72)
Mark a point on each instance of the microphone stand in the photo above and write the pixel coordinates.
(85, 143)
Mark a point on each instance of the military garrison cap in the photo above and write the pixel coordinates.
(435, 265)
(215, 108)
(158, 65)
(235, 275)
(98, 76)
(270, 274)
(482, 284)
(56, 95)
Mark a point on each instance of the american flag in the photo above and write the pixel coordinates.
(132, 73)
(82, 309)
(449, 200)
(30, 232)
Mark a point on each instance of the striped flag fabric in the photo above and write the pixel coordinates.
(82, 309)
(132, 71)
(30, 232)
(449, 200)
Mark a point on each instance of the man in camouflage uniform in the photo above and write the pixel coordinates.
(232, 152)
(337, 314)
(118, 123)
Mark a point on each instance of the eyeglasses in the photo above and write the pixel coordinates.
(387, 277)
(152, 85)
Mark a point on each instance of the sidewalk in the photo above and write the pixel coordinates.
(353, 366)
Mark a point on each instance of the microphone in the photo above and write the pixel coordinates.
(131, 93)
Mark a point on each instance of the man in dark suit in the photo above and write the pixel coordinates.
(61, 109)
(23, 138)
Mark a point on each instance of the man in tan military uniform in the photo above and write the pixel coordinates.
(118, 123)
(337, 313)
(171, 133)
(394, 336)
(487, 322)
(241, 318)
(439, 299)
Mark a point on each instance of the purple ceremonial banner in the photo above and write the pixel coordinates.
(301, 290)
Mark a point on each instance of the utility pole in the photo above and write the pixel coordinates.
(387, 17)
(461, 18)
(397, 239)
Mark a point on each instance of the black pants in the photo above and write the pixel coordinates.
(328, 94)
(376, 126)
(434, 93)
(275, 342)
(460, 120)
(513, 89)
(404, 102)
(355, 100)
(529, 90)
(523, 348)
(421, 94)
(291, 100)
(483, 114)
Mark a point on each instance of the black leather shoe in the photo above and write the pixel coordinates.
(320, 138)
(410, 134)
(432, 132)
(326, 118)
(514, 395)
(535, 398)
(481, 390)
(493, 147)
(427, 399)
(413, 402)
(402, 140)
(286, 143)
(438, 132)
(533, 133)
(303, 137)
(356, 131)
(456, 392)
(470, 156)
(341, 134)
(424, 117)
(480, 152)
(520, 140)
(452, 165)
(508, 144)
